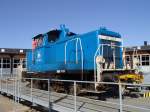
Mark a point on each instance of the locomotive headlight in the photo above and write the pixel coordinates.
(38, 55)
(100, 59)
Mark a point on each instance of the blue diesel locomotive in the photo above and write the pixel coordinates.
(62, 51)
(93, 56)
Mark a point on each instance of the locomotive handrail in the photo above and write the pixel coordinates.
(81, 57)
(77, 40)
(95, 77)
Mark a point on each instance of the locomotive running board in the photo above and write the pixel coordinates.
(92, 91)
(118, 69)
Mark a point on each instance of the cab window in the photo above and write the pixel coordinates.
(37, 41)
(53, 35)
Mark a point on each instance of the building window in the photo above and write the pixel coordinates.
(128, 59)
(16, 62)
(23, 63)
(5, 63)
(138, 59)
(145, 60)
(0, 62)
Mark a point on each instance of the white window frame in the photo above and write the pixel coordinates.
(145, 60)
(16, 63)
(6, 63)
(130, 59)
(25, 62)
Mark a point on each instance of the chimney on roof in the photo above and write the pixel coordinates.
(145, 43)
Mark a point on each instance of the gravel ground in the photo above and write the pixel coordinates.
(8, 105)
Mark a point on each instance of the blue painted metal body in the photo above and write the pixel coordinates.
(66, 52)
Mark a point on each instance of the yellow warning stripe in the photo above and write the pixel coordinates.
(147, 94)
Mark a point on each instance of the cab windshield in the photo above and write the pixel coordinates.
(53, 35)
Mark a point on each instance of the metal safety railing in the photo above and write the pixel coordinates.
(55, 100)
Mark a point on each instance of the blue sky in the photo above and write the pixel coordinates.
(20, 20)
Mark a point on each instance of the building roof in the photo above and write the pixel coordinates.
(139, 48)
(13, 51)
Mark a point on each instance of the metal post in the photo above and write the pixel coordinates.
(31, 91)
(5, 87)
(1, 72)
(20, 86)
(114, 57)
(19, 71)
(49, 101)
(120, 97)
(0, 85)
(18, 91)
(4, 84)
(75, 97)
(15, 94)
(15, 90)
(7, 84)
(20, 78)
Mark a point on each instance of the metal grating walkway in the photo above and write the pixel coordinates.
(66, 103)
